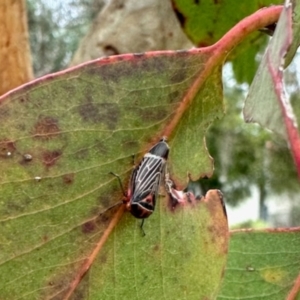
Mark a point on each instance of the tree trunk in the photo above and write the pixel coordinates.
(132, 26)
(15, 68)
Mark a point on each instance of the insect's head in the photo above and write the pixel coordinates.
(161, 149)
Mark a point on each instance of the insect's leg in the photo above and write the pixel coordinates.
(142, 224)
(120, 182)
(133, 159)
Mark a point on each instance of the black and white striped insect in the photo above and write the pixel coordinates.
(145, 180)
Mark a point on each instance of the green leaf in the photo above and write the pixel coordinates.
(62, 135)
(60, 138)
(182, 255)
(205, 22)
(261, 264)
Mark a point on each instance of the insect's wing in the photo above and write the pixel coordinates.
(147, 177)
(131, 187)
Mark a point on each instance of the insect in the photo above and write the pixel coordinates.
(145, 180)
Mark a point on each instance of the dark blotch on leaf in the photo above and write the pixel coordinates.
(153, 63)
(210, 34)
(7, 148)
(154, 114)
(105, 113)
(88, 227)
(82, 154)
(174, 97)
(46, 128)
(22, 99)
(156, 248)
(68, 178)
(179, 76)
(107, 73)
(51, 157)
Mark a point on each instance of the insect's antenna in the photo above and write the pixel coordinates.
(142, 224)
(120, 182)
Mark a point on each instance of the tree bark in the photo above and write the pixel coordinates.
(15, 58)
(132, 26)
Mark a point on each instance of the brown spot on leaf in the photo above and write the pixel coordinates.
(105, 113)
(68, 178)
(23, 99)
(7, 148)
(88, 227)
(105, 216)
(174, 97)
(46, 128)
(82, 154)
(210, 34)
(51, 157)
(156, 248)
